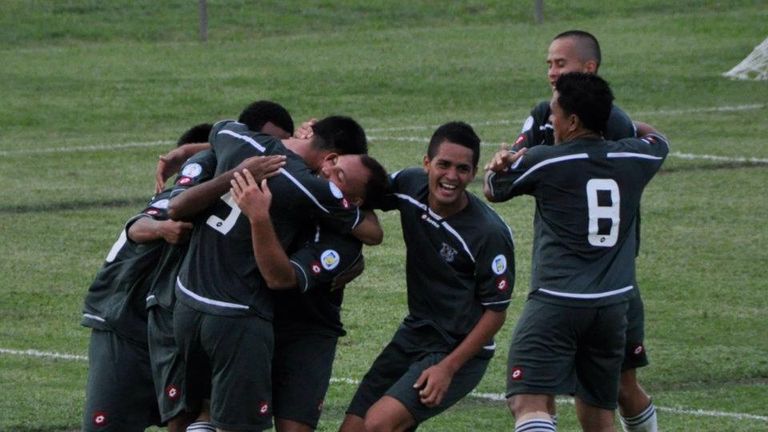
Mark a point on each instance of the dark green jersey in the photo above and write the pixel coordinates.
(537, 128)
(197, 169)
(219, 273)
(115, 299)
(313, 307)
(456, 267)
(587, 194)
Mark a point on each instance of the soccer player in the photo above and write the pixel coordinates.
(572, 331)
(459, 275)
(222, 319)
(175, 408)
(307, 318)
(579, 51)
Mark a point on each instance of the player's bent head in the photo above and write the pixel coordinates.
(268, 117)
(377, 185)
(456, 132)
(196, 134)
(587, 96)
(586, 44)
(340, 134)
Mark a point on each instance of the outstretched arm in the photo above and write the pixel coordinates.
(147, 229)
(170, 163)
(197, 198)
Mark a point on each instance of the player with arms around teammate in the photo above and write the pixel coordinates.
(587, 193)
(223, 316)
(579, 51)
(307, 320)
(459, 275)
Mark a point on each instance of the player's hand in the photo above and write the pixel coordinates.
(175, 232)
(504, 158)
(253, 198)
(433, 384)
(262, 167)
(305, 130)
(349, 274)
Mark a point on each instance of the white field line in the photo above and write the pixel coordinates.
(679, 155)
(517, 122)
(350, 381)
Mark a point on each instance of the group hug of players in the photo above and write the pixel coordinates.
(218, 307)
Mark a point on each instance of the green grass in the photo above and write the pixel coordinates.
(93, 91)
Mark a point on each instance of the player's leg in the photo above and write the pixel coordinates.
(401, 407)
(538, 375)
(598, 365)
(638, 414)
(119, 385)
(301, 372)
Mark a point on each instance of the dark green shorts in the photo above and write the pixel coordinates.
(397, 368)
(119, 392)
(234, 355)
(563, 350)
(301, 371)
(167, 367)
(634, 354)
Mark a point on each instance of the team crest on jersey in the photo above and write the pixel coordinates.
(527, 125)
(448, 253)
(499, 264)
(172, 392)
(335, 191)
(516, 373)
(330, 259)
(99, 418)
(263, 408)
(192, 170)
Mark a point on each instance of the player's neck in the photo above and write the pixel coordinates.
(581, 134)
(303, 148)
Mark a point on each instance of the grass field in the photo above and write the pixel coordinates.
(92, 91)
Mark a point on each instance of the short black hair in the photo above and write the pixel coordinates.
(377, 185)
(196, 134)
(340, 134)
(587, 96)
(459, 133)
(588, 45)
(258, 113)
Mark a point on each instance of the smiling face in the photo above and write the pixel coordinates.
(566, 55)
(449, 172)
(349, 174)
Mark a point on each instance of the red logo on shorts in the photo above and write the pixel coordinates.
(263, 408)
(516, 373)
(172, 392)
(638, 350)
(100, 418)
(501, 283)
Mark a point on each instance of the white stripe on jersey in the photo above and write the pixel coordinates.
(245, 138)
(549, 162)
(434, 215)
(208, 301)
(587, 296)
(94, 317)
(306, 278)
(632, 155)
(496, 303)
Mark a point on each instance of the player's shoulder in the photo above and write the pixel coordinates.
(485, 218)
(408, 180)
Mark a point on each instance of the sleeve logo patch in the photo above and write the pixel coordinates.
(499, 264)
(316, 269)
(330, 259)
(184, 180)
(335, 191)
(501, 283)
(192, 170)
(520, 139)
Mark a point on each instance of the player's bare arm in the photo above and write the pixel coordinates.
(434, 381)
(254, 199)
(369, 229)
(187, 205)
(147, 229)
(171, 162)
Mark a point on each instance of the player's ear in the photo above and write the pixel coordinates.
(426, 163)
(590, 66)
(331, 157)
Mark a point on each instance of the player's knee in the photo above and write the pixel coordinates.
(382, 423)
